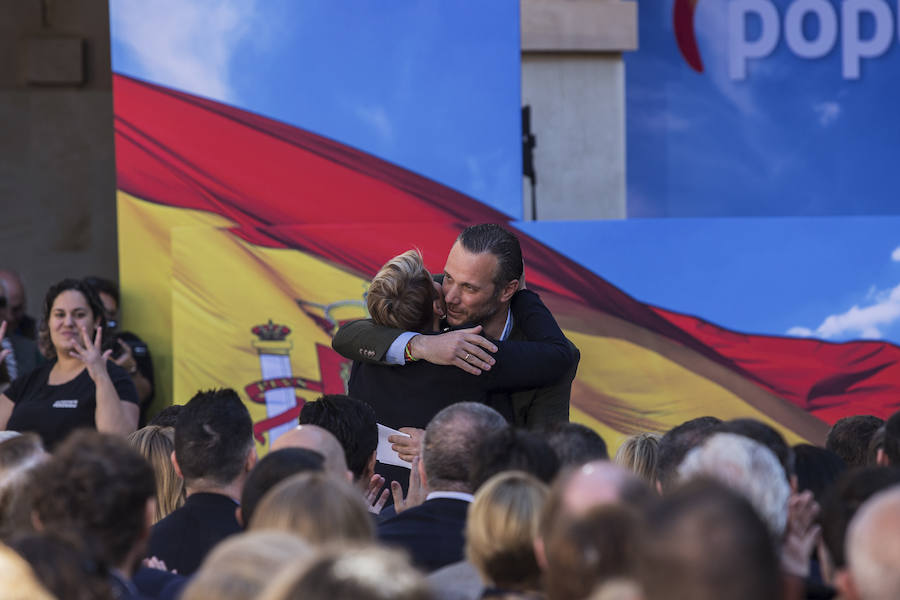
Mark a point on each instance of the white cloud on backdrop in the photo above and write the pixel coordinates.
(868, 322)
(185, 44)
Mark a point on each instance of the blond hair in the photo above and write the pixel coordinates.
(156, 444)
(401, 295)
(242, 565)
(316, 506)
(19, 580)
(501, 527)
(639, 453)
(361, 573)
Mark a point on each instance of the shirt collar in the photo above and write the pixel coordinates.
(507, 329)
(452, 495)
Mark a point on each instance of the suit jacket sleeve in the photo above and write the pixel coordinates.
(542, 358)
(364, 340)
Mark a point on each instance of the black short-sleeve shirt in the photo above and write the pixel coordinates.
(53, 411)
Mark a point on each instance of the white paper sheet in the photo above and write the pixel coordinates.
(385, 454)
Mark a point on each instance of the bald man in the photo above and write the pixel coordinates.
(313, 437)
(873, 550)
(19, 322)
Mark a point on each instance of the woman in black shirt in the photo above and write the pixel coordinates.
(79, 387)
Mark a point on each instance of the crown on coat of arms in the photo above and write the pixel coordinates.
(271, 331)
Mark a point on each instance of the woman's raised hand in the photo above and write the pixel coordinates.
(90, 352)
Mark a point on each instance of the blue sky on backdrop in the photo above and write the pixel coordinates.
(837, 278)
(793, 138)
(430, 86)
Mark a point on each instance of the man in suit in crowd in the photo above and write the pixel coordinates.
(432, 532)
(214, 453)
(481, 274)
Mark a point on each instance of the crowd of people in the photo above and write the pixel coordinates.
(500, 496)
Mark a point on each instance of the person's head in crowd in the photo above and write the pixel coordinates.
(501, 528)
(363, 573)
(214, 447)
(271, 470)
(873, 550)
(156, 444)
(747, 467)
(675, 443)
(890, 451)
(578, 491)
(167, 417)
(108, 292)
(766, 435)
(73, 296)
(512, 449)
(19, 580)
(706, 542)
(19, 457)
(640, 453)
(849, 438)
(322, 441)
(849, 492)
(817, 469)
(451, 442)
(353, 423)
(876, 447)
(597, 483)
(583, 551)
(241, 566)
(15, 299)
(96, 486)
(317, 507)
(403, 295)
(575, 444)
(62, 565)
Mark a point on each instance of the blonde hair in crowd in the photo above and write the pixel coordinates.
(242, 565)
(360, 573)
(156, 444)
(639, 453)
(501, 527)
(316, 506)
(402, 294)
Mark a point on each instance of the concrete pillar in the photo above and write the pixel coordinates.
(573, 78)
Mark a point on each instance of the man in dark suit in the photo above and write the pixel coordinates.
(214, 452)
(432, 532)
(482, 272)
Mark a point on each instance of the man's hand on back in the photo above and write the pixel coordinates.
(463, 348)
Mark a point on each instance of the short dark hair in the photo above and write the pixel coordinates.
(764, 434)
(849, 438)
(213, 435)
(272, 470)
(684, 561)
(63, 565)
(167, 417)
(892, 439)
(675, 444)
(104, 286)
(512, 449)
(351, 421)
(490, 237)
(575, 444)
(451, 442)
(96, 486)
(849, 492)
(78, 285)
(817, 469)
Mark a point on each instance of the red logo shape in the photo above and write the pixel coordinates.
(683, 19)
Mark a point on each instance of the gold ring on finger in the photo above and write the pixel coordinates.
(467, 357)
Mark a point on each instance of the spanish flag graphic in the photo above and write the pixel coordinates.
(244, 243)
